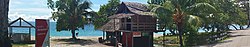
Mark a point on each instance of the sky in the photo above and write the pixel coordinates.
(37, 9)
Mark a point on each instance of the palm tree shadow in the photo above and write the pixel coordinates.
(82, 42)
(236, 35)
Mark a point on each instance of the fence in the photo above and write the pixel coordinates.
(216, 37)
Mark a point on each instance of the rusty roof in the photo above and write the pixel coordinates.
(112, 25)
(138, 8)
(121, 15)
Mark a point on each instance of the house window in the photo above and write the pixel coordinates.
(122, 19)
(128, 26)
(129, 19)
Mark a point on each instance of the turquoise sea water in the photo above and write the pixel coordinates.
(87, 31)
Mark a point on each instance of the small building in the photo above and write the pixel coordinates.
(20, 37)
(132, 26)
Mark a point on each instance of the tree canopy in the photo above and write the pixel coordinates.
(105, 10)
(188, 16)
(69, 14)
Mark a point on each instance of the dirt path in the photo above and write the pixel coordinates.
(239, 38)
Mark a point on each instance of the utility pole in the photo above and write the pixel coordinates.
(4, 9)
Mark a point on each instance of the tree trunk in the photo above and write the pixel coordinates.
(179, 18)
(241, 28)
(180, 29)
(4, 39)
(73, 34)
(72, 25)
(248, 20)
(248, 14)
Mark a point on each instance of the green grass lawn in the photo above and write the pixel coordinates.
(21, 45)
(172, 41)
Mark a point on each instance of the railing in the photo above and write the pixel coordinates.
(216, 37)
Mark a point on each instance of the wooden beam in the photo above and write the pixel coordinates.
(29, 33)
(159, 31)
(14, 21)
(20, 22)
(21, 26)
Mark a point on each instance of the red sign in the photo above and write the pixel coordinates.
(136, 34)
(42, 33)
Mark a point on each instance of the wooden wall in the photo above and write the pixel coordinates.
(139, 23)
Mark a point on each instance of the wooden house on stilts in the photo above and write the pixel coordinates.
(132, 26)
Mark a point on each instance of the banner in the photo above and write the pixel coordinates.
(42, 33)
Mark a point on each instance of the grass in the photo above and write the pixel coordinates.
(226, 38)
(167, 45)
(201, 39)
(171, 41)
(21, 45)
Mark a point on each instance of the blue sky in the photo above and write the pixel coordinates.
(37, 9)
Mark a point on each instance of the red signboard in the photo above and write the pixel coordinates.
(136, 34)
(42, 33)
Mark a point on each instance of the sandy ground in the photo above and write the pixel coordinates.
(238, 38)
(84, 41)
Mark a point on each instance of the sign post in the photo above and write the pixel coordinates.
(42, 33)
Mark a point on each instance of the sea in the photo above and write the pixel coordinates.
(87, 31)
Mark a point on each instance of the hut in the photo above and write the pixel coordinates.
(131, 26)
(20, 37)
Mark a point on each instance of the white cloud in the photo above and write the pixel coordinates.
(29, 10)
(14, 16)
(39, 10)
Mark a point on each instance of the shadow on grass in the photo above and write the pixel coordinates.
(109, 44)
(23, 44)
(26, 42)
(226, 41)
(82, 42)
(214, 44)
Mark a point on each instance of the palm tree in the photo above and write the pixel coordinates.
(4, 9)
(69, 14)
(183, 13)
